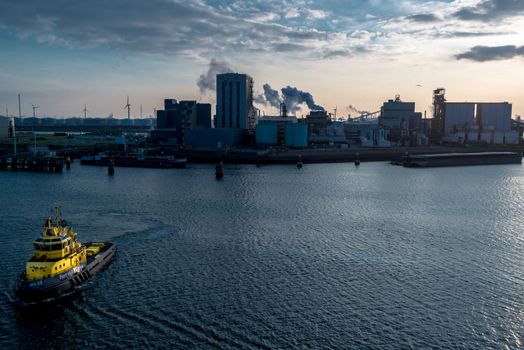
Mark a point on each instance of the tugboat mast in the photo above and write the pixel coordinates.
(57, 215)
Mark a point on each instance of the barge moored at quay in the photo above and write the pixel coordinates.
(135, 161)
(460, 159)
(41, 164)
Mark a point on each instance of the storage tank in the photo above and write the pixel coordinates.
(296, 135)
(266, 133)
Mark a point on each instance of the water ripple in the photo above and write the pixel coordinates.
(329, 256)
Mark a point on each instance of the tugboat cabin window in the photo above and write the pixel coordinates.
(56, 246)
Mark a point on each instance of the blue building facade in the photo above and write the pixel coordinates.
(234, 107)
(266, 134)
(296, 135)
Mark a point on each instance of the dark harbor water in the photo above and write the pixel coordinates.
(326, 257)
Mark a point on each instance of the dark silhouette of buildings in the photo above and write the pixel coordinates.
(178, 117)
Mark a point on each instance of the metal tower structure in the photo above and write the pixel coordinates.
(128, 107)
(439, 113)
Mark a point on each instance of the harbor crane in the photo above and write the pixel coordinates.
(34, 110)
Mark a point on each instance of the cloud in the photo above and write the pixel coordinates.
(292, 13)
(174, 27)
(490, 10)
(423, 18)
(316, 14)
(336, 53)
(289, 47)
(491, 53)
(209, 28)
(461, 34)
(207, 81)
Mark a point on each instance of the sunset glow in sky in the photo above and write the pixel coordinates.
(62, 54)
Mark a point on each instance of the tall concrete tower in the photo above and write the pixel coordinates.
(235, 101)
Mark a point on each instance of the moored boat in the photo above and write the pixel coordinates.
(60, 264)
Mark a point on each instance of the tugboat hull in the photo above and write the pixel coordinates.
(52, 288)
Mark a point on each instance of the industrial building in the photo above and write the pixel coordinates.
(217, 138)
(496, 115)
(4, 128)
(234, 107)
(366, 131)
(296, 135)
(400, 118)
(281, 131)
(318, 121)
(459, 117)
(469, 122)
(179, 116)
(490, 123)
(270, 130)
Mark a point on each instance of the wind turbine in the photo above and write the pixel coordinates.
(85, 111)
(128, 106)
(34, 110)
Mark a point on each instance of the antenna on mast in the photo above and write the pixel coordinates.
(128, 107)
(19, 108)
(140, 111)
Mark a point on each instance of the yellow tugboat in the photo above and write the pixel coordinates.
(60, 264)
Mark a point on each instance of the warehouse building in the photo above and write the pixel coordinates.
(486, 122)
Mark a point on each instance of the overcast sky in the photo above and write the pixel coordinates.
(62, 54)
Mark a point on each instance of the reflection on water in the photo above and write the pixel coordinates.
(329, 256)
